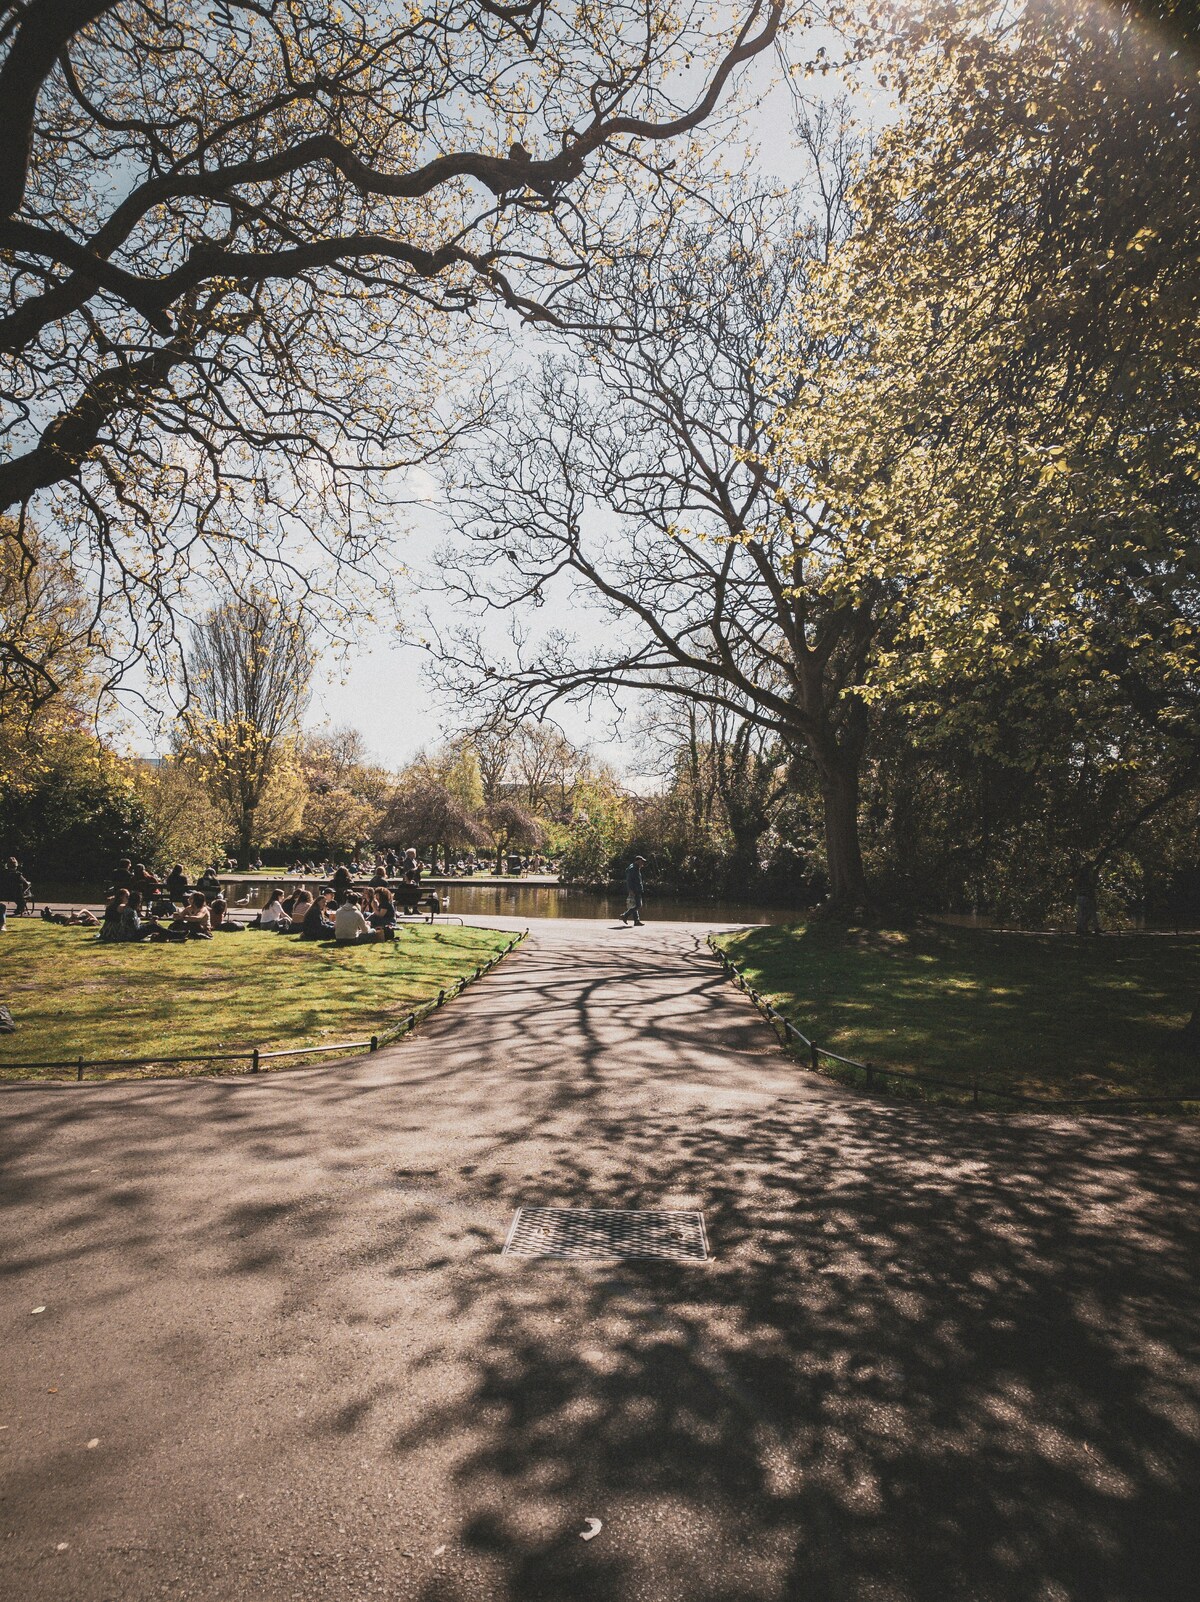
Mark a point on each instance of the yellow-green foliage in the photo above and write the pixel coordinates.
(1005, 427)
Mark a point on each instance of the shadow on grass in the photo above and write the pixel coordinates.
(1041, 1014)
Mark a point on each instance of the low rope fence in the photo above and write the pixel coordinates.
(256, 1057)
(879, 1074)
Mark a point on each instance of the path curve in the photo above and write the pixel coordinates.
(936, 1354)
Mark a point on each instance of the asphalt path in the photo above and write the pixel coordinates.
(935, 1355)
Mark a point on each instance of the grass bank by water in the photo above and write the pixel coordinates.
(1044, 1015)
(73, 997)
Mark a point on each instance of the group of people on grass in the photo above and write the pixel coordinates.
(140, 907)
(356, 919)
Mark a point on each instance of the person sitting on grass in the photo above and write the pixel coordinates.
(195, 921)
(350, 928)
(111, 921)
(219, 914)
(318, 925)
(141, 918)
(384, 915)
(272, 915)
(123, 920)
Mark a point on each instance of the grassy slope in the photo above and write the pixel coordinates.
(74, 997)
(1046, 1015)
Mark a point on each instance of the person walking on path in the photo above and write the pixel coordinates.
(635, 891)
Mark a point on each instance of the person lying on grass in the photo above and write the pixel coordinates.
(81, 916)
(350, 928)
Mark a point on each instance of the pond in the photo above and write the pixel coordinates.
(555, 901)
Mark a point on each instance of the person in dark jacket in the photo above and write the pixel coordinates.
(208, 884)
(635, 890)
(14, 886)
(177, 884)
(384, 915)
(318, 925)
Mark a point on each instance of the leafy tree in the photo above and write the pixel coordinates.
(513, 828)
(248, 678)
(426, 814)
(48, 663)
(345, 794)
(601, 827)
(1012, 434)
(182, 824)
(73, 814)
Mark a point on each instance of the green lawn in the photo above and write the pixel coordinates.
(73, 997)
(1039, 1014)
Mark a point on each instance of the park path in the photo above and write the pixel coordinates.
(935, 1355)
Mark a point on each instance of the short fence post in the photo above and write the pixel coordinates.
(412, 1020)
(79, 1072)
(870, 1076)
(812, 1055)
(441, 998)
(374, 1042)
(254, 1061)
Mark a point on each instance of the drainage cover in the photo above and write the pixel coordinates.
(602, 1232)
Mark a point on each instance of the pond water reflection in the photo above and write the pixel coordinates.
(555, 901)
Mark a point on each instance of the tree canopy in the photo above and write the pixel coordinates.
(237, 240)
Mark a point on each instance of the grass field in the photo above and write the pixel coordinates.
(1043, 1015)
(73, 997)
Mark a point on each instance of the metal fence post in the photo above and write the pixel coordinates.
(79, 1072)
(812, 1056)
(374, 1042)
(254, 1061)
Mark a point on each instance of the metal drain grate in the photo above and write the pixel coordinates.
(604, 1232)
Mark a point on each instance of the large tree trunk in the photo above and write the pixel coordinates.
(839, 792)
(246, 840)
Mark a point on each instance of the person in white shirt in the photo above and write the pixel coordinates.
(272, 915)
(350, 928)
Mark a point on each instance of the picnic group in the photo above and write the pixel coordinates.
(141, 906)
